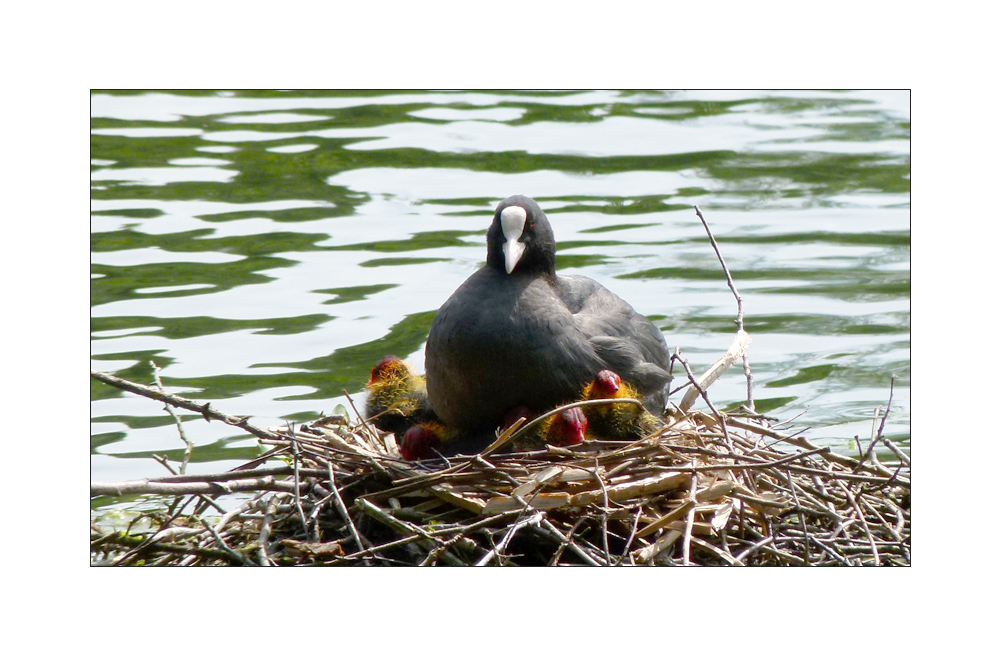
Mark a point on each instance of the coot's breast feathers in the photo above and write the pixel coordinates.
(530, 338)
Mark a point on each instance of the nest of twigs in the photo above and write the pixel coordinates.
(699, 491)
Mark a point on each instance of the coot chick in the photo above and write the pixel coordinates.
(430, 439)
(617, 421)
(397, 397)
(421, 441)
(565, 428)
(517, 335)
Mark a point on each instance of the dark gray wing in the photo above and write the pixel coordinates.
(625, 340)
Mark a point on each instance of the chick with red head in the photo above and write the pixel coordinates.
(566, 428)
(424, 440)
(625, 421)
(397, 397)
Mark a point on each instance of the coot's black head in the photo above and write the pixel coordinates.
(520, 239)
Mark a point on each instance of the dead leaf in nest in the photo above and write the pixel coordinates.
(391, 446)
(705, 419)
(538, 481)
(721, 516)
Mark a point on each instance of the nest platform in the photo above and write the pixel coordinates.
(707, 489)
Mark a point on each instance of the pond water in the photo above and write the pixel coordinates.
(265, 249)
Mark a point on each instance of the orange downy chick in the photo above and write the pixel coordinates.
(617, 421)
(397, 397)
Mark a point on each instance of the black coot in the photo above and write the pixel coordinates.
(517, 335)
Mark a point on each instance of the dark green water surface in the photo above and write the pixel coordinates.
(265, 249)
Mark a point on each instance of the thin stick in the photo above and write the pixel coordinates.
(799, 441)
(881, 426)
(534, 519)
(227, 518)
(339, 503)
(295, 468)
(737, 349)
(265, 532)
(374, 550)
(222, 544)
(739, 304)
(180, 427)
(604, 511)
(146, 487)
(579, 551)
(689, 521)
(728, 558)
(206, 410)
(370, 431)
(742, 556)
(162, 460)
(631, 536)
(903, 458)
(562, 544)
(704, 395)
(861, 517)
(802, 520)
(878, 434)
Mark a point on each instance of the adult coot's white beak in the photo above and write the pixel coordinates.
(512, 222)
